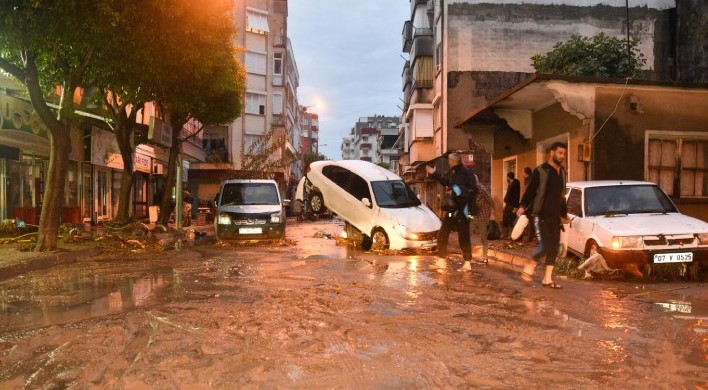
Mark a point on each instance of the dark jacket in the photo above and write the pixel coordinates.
(463, 178)
(536, 198)
(513, 193)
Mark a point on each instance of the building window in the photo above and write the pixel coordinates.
(255, 103)
(257, 22)
(255, 62)
(277, 103)
(679, 165)
(278, 63)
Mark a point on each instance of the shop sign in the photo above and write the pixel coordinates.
(104, 149)
(20, 126)
(160, 132)
(143, 163)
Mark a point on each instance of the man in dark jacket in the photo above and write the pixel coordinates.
(511, 204)
(545, 196)
(460, 182)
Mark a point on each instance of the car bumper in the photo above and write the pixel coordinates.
(620, 258)
(402, 243)
(239, 232)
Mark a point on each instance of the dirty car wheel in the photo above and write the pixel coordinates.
(379, 240)
(317, 203)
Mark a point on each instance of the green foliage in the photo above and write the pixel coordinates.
(599, 56)
(384, 165)
(312, 157)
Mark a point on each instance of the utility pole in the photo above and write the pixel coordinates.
(629, 50)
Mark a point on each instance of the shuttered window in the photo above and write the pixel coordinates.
(679, 166)
(257, 22)
(255, 103)
(255, 62)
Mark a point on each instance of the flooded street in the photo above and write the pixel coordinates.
(312, 314)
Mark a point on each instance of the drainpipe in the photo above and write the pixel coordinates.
(178, 199)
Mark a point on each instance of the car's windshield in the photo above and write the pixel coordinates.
(249, 194)
(627, 199)
(394, 194)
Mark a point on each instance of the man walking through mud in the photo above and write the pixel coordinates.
(545, 195)
(462, 187)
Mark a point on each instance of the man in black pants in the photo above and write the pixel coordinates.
(460, 181)
(545, 195)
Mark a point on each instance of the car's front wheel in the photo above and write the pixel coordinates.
(379, 240)
(317, 203)
(591, 248)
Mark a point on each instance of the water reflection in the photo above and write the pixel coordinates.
(80, 298)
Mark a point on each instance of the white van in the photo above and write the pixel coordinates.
(249, 209)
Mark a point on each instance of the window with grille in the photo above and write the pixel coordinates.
(679, 165)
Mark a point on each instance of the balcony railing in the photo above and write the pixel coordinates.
(193, 136)
(421, 31)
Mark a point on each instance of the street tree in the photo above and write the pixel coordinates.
(600, 56)
(203, 81)
(49, 44)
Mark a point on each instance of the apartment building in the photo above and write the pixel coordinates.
(272, 118)
(367, 138)
(310, 137)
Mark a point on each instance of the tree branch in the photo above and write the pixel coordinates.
(13, 69)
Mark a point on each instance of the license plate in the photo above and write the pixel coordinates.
(685, 257)
(250, 230)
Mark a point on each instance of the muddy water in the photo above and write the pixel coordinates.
(318, 315)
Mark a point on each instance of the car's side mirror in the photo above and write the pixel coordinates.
(366, 202)
(286, 202)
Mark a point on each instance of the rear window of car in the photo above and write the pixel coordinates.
(249, 194)
(394, 194)
(627, 199)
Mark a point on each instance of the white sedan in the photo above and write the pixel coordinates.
(632, 223)
(374, 201)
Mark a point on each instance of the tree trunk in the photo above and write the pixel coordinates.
(60, 146)
(123, 136)
(177, 121)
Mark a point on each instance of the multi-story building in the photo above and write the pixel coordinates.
(463, 53)
(310, 137)
(272, 114)
(367, 137)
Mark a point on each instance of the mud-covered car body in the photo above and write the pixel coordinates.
(632, 222)
(249, 210)
(375, 201)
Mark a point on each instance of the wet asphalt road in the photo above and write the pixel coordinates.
(312, 314)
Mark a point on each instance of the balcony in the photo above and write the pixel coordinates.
(278, 120)
(279, 41)
(422, 31)
(422, 46)
(407, 36)
(366, 146)
(407, 75)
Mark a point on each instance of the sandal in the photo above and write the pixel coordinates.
(552, 285)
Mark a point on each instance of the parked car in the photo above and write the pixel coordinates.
(374, 201)
(632, 223)
(249, 210)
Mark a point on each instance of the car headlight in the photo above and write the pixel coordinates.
(275, 218)
(405, 233)
(224, 219)
(625, 242)
(702, 238)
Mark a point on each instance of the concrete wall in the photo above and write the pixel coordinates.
(504, 37)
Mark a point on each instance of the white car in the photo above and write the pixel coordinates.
(374, 201)
(632, 223)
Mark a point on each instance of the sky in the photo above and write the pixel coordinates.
(349, 59)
